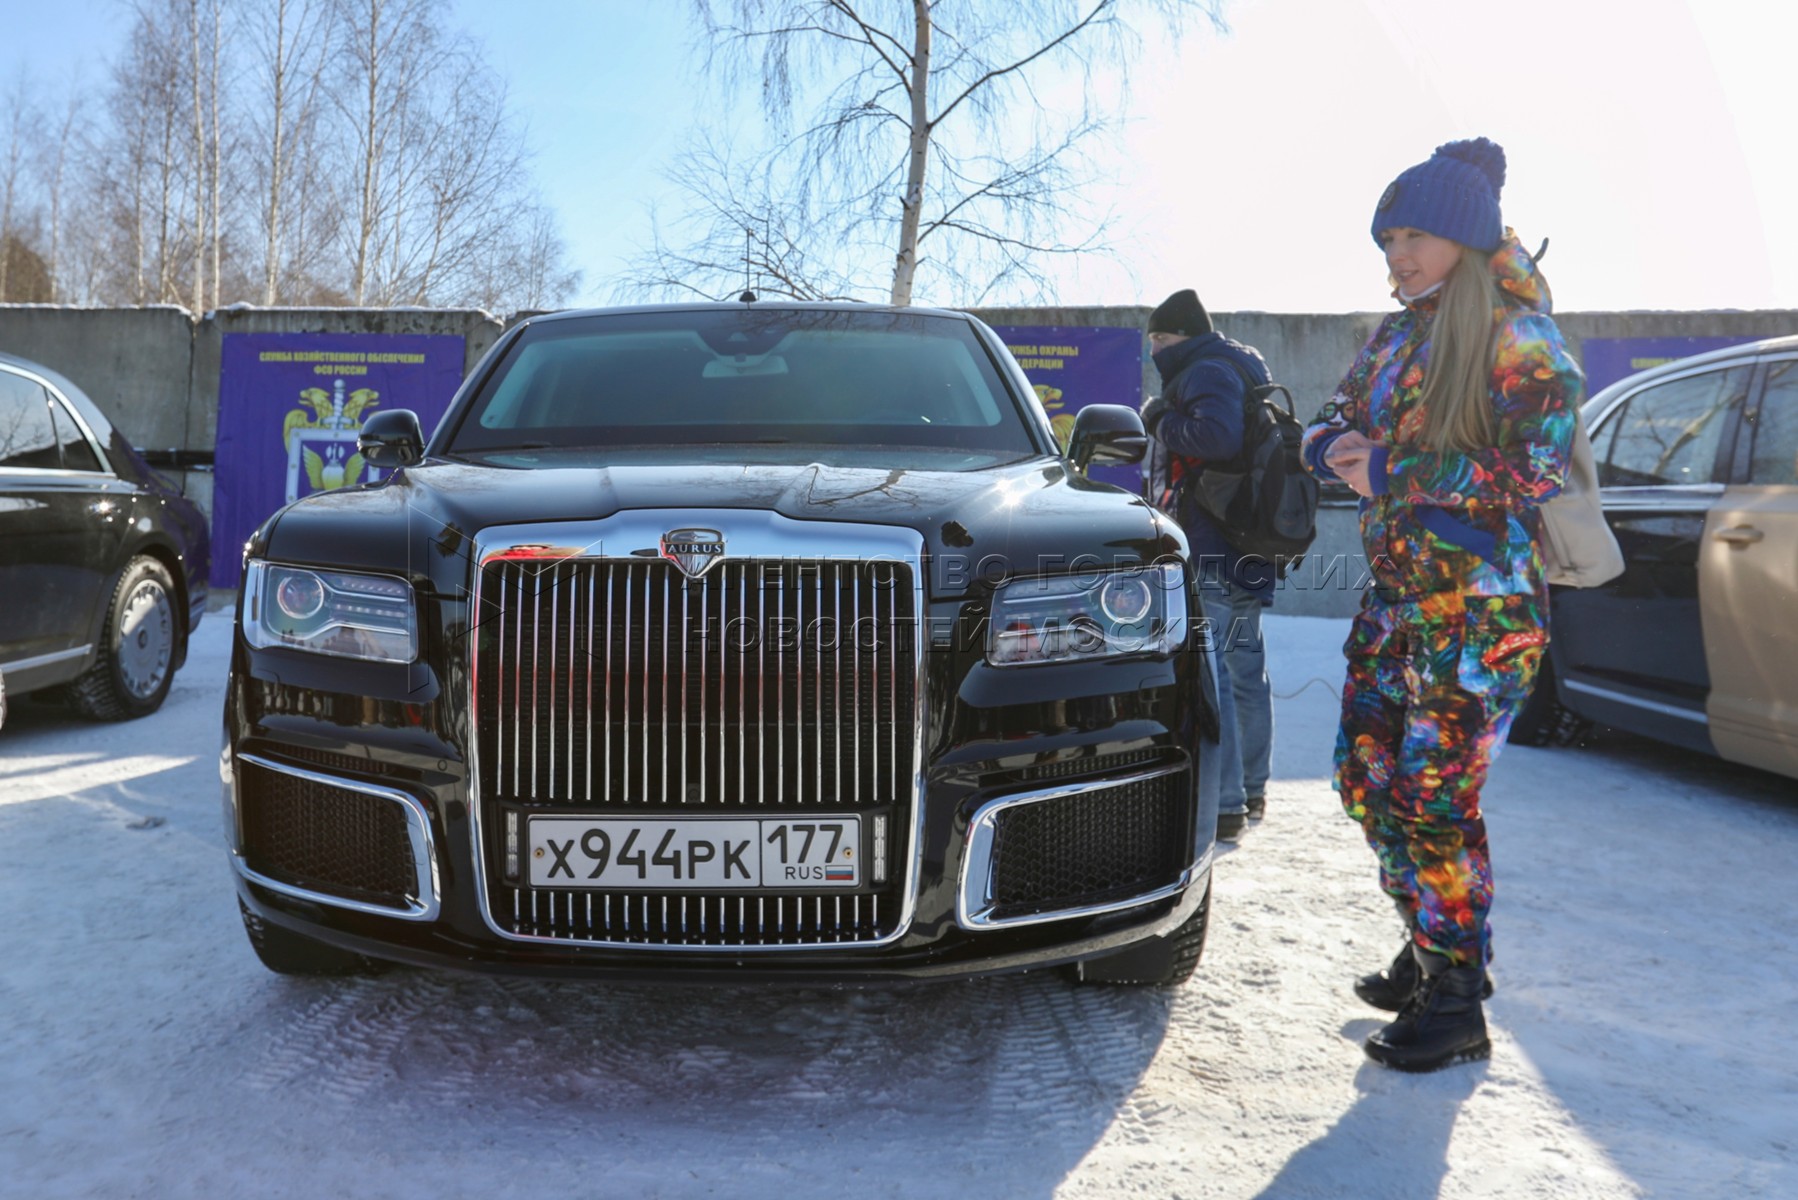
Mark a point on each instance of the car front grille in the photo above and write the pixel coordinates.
(765, 686)
(1093, 847)
(333, 840)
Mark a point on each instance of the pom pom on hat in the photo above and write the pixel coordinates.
(1453, 194)
(1483, 153)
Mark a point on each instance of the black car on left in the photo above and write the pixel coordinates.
(103, 563)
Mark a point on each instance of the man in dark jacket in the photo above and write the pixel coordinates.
(1197, 419)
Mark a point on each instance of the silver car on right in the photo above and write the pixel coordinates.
(1696, 643)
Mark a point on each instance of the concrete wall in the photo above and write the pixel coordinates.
(135, 363)
(156, 372)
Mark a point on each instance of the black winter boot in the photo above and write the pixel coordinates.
(1443, 1024)
(1392, 988)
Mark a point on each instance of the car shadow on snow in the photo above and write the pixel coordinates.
(1008, 1081)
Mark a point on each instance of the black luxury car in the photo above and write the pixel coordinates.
(719, 642)
(102, 563)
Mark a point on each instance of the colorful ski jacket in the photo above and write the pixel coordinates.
(1443, 520)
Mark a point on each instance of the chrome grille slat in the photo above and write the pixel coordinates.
(686, 622)
(855, 656)
(818, 693)
(780, 682)
(536, 640)
(517, 692)
(667, 604)
(554, 629)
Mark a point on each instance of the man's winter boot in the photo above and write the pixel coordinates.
(1229, 826)
(1443, 1024)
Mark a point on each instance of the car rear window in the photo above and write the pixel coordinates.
(754, 375)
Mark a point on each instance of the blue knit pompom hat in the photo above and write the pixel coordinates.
(1453, 194)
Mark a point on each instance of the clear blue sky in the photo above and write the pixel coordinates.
(1651, 141)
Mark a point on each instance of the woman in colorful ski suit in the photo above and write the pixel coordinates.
(1454, 424)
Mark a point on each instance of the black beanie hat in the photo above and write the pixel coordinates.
(1180, 313)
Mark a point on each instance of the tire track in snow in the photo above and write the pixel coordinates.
(344, 1044)
(1070, 1057)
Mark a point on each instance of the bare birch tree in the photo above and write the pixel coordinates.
(293, 40)
(17, 120)
(60, 153)
(215, 167)
(952, 131)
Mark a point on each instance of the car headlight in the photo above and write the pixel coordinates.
(1107, 614)
(330, 612)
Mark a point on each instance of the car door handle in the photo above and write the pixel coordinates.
(1740, 536)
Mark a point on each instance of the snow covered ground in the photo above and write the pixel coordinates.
(1646, 1021)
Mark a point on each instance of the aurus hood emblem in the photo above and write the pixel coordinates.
(693, 550)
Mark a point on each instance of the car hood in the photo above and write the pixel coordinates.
(1024, 518)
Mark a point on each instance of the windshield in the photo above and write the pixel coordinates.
(750, 376)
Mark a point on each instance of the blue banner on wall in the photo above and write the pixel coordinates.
(1072, 366)
(290, 407)
(1606, 360)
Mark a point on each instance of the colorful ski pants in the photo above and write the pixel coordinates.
(1433, 684)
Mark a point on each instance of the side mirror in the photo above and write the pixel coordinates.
(391, 438)
(1107, 433)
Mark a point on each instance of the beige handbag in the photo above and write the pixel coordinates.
(1578, 547)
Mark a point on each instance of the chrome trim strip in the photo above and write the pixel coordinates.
(1667, 710)
(428, 895)
(60, 473)
(45, 660)
(752, 535)
(974, 892)
(1658, 495)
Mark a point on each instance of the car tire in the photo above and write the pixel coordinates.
(1544, 720)
(138, 648)
(1159, 962)
(288, 953)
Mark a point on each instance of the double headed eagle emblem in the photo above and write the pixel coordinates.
(337, 463)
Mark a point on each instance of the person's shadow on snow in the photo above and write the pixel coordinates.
(1392, 1142)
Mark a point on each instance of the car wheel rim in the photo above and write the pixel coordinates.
(146, 640)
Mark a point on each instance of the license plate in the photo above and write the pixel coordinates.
(687, 854)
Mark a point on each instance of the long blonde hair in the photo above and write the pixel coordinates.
(1457, 387)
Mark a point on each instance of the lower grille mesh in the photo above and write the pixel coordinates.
(674, 919)
(325, 839)
(1092, 847)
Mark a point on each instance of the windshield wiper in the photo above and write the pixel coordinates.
(507, 449)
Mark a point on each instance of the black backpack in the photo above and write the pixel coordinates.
(1263, 499)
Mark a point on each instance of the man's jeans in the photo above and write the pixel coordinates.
(1245, 701)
